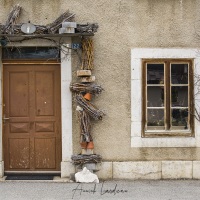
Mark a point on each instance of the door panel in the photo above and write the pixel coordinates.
(44, 93)
(19, 127)
(44, 127)
(19, 153)
(32, 134)
(45, 153)
(19, 90)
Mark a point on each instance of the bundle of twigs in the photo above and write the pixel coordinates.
(89, 108)
(86, 87)
(41, 29)
(16, 28)
(87, 54)
(12, 28)
(54, 26)
(85, 126)
(87, 28)
(12, 18)
(84, 158)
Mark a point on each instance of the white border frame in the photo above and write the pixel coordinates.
(137, 54)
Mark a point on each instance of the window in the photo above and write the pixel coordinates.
(172, 134)
(30, 53)
(167, 97)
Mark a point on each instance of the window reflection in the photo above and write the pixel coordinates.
(179, 96)
(155, 117)
(180, 118)
(155, 96)
(179, 73)
(155, 73)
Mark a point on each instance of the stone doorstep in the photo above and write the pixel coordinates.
(59, 179)
(3, 178)
(56, 179)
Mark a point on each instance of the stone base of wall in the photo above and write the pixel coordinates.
(153, 170)
(67, 168)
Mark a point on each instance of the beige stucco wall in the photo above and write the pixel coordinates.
(123, 24)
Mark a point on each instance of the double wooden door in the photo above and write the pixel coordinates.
(31, 117)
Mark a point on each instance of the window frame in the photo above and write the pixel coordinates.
(137, 54)
(167, 84)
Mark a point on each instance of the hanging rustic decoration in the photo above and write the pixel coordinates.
(12, 19)
(84, 87)
(87, 54)
(10, 27)
(87, 28)
(84, 126)
(41, 29)
(89, 108)
(54, 26)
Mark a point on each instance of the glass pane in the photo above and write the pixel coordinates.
(155, 96)
(179, 73)
(155, 117)
(30, 53)
(155, 73)
(179, 96)
(180, 118)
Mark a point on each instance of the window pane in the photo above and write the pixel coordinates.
(155, 96)
(180, 118)
(179, 73)
(30, 53)
(179, 96)
(155, 73)
(155, 117)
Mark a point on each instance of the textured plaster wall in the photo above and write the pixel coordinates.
(123, 24)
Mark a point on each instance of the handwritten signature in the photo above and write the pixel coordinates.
(97, 188)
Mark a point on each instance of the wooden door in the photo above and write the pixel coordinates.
(32, 117)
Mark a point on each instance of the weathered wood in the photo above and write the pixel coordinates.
(44, 35)
(84, 73)
(91, 88)
(89, 79)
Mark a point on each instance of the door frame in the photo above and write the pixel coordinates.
(66, 106)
